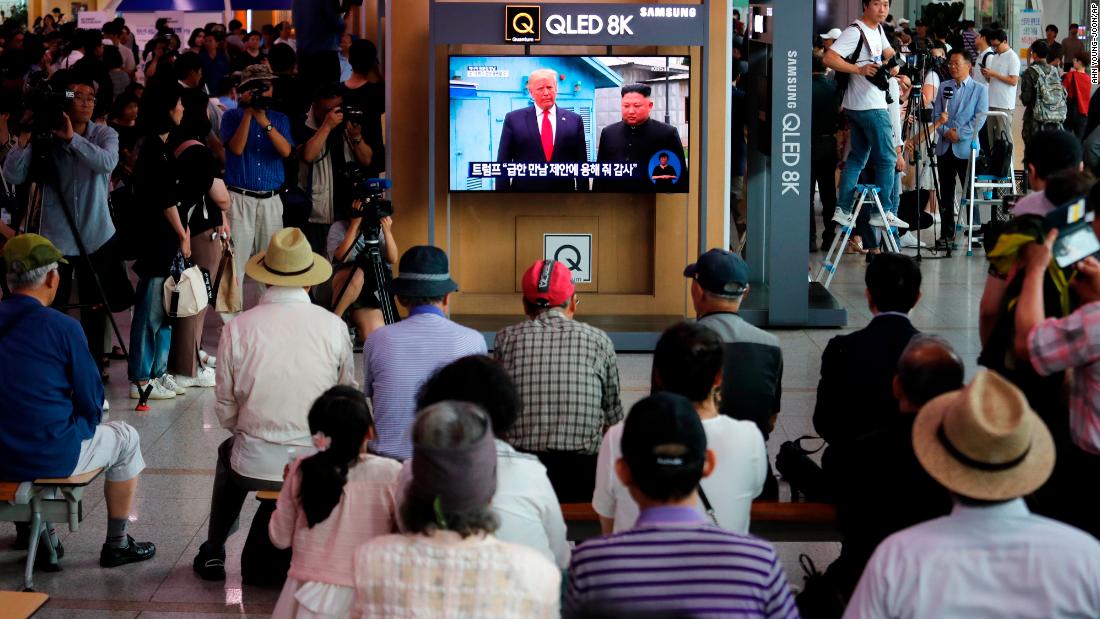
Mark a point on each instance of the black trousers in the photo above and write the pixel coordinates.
(824, 158)
(950, 168)
(116, 285)
(573, 475)
(227, 499)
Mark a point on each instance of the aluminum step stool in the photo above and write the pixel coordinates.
(980, 184)
(840, 242)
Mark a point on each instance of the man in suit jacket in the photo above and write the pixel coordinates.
(958, 120)
(636, 139)
(542, 133)
(855, 395)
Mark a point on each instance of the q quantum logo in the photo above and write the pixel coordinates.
(522, 24)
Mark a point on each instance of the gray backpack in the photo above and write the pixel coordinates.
(1050, 97)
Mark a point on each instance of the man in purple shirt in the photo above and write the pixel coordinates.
(674, 560)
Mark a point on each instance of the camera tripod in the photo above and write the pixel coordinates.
(921, 132)
(43, 172)
(370, 261)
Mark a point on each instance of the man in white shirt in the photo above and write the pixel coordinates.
(990, 557)
(112, 33)
(984, 53)
(274, 360)
(872, 139)
(1002, 72)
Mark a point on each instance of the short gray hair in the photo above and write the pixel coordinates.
(35, 278)
(929, 367)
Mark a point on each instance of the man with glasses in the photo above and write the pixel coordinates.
(83, 154)
(958, 120)
(568, 378)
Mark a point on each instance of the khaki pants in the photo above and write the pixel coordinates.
(183, 357)
(253, 222)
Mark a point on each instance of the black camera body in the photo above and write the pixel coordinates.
(369, 192)
(258, 100)
(354, 114)
(881, 79)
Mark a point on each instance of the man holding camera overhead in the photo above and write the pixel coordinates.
(256, 142)
(859, 54)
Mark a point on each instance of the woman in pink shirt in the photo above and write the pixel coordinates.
(332, 502)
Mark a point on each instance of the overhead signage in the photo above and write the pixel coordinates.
(570, 24)
(522, 24)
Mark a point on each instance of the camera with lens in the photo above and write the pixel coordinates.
(354, 114)
(258, 100)
(369, 193)
(47, 103)
(881, 79)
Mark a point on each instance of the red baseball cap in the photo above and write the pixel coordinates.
(548, 283)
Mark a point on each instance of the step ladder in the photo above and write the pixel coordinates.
(867, 193)
(981, 190)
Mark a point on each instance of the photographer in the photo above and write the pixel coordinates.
(332, 143)
(872, 138)
(82, 156)
(257, 140)
(359, 295)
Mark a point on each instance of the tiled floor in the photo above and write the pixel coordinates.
(179, 439)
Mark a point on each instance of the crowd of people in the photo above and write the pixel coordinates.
(900, 107)
(432, 484)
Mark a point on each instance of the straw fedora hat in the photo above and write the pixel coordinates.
(984, 441)
(289, 262)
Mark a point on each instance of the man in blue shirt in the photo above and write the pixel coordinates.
(50, 424)
(398, 358)
(256, 142)
(959, 118)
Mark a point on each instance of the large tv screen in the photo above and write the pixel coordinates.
(569, 123)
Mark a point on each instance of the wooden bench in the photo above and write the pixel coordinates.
(40, 503)
(771, 520)
(20, 605)
(267, 495)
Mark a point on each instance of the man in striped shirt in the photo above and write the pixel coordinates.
(398, 358)
(674, 560)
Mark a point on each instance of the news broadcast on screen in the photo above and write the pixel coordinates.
(559, 124)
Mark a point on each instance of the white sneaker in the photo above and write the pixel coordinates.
(158, 392)
(209, 361)
(205, 378)
(876, 221)
(844, 219)
(909, 241)
(896, 222)
(169, 382)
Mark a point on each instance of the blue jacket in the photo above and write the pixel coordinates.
(52, 396)
(966, 112)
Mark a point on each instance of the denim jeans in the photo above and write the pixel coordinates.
(872, 143)
(150, 332)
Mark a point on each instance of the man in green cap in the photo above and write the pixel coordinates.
(50, 423)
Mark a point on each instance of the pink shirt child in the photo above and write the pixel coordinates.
(367, 509)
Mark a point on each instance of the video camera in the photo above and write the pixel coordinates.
(47, 103)
(257, 88)
(922, 61)
(369, 193)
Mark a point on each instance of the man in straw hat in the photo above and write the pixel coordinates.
(990, 557)
(274, 360)
(398, 358)
(257, 140)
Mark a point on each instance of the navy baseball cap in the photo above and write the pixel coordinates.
(721, 272)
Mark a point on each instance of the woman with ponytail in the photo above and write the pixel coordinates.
(331, 502)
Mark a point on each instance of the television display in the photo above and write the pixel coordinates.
(558, 124)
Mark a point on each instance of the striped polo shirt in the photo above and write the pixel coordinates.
(397, 359)
(674, 561)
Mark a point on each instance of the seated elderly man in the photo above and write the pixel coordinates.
(53, 397)
(274, 361)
